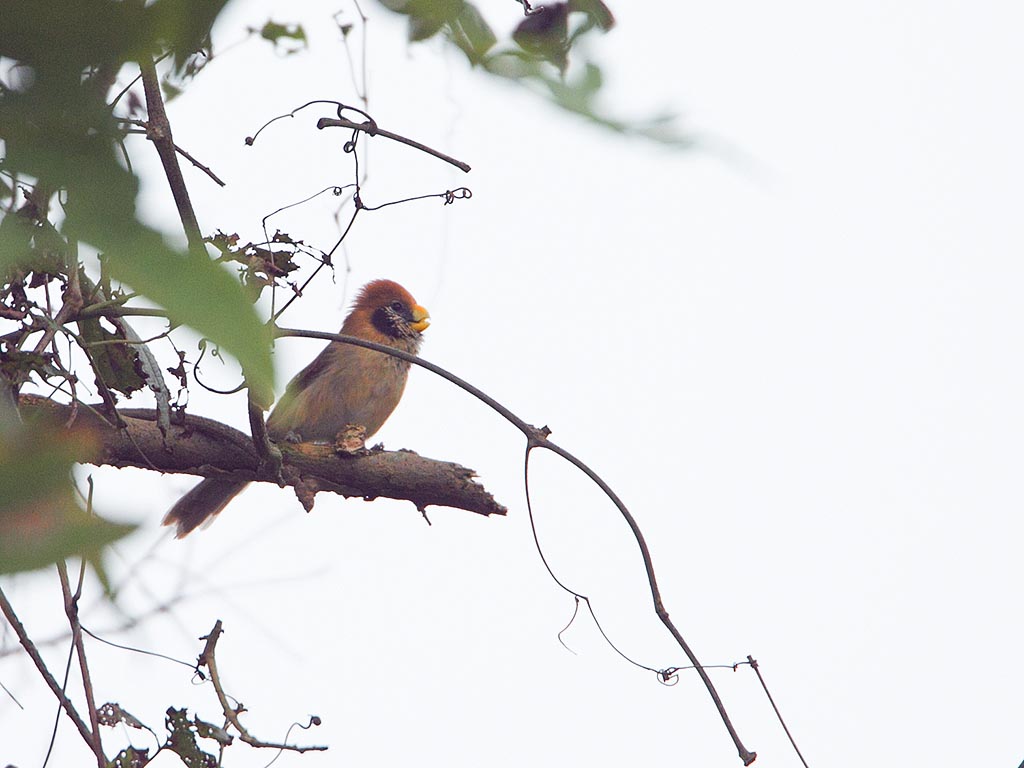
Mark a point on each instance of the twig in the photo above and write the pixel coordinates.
(30, 648)
(757, 669)
(208, 659)
(112, 309)
(538, 438)
(158, 130)
(370, 129)
(72, 304)
(71, 609)
(143, 128)
(14, 698)
(199, 165)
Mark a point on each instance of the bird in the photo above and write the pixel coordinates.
(345, 386)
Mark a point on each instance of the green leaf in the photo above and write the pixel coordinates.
(79, 34)
(279, 34)
(599, 13)
(477, 37)
(40, 519)
(16, 232)
(545, 34)
(579, 96)
(59, 130)
(66, 138)
(423, 27)
(210, 731)
(426, 17)
(115, 362)
(181, 740)
(111, 714)
(131, 757)
(182, 25)
(202, 294)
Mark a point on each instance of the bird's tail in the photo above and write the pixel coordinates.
(199, 505)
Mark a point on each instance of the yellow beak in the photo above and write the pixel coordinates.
(420, 318)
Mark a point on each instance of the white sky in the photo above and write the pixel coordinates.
(795, 354)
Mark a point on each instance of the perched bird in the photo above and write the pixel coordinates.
(345, 386)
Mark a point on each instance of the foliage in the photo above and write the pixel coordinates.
(66, 192)
(69, 227)
(537, 54)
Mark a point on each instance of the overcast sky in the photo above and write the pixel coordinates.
(794, 351)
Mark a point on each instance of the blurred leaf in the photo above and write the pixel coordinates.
(171, 90)
(40, 519)
(280, 34)
(66, 138)
(16, 233)
(476, 37)
(102, 31)
(426, 17)
(545, 34)
(82, 33)
(579, 96)
(183, 26)
(424, 27)
(540, 57)
(200, 293)
(115, 362)
(599, 13)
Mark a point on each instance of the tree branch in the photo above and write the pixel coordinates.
(158, 130)
(370, 129)
(71, 609)
(209, 660)
(197, 446)
(37, 659)
(538, 438)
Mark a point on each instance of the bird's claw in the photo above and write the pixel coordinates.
(351, 440)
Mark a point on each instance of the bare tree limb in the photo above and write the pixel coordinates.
(199, 446)
(209, 660)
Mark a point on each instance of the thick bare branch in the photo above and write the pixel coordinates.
(199, 446)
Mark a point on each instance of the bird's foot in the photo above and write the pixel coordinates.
(351, 440)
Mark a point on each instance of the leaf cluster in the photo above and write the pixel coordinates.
(537, 53)
(67, 189)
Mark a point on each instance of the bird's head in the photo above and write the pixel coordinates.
(384, 308)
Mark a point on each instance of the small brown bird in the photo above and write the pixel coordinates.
(345, 386)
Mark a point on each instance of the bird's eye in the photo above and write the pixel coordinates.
(397, 306)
